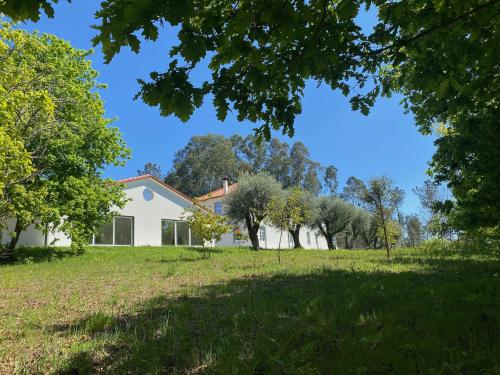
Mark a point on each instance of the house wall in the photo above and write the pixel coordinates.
(148, 214)
(29, 237)
(34, 237)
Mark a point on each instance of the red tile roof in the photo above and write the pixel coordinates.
(217, 193)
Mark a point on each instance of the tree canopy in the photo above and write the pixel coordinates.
(333, 215)
(200, 165)
(250, 202)
(151, 168)
(291, 210)
(442, 56)
(56, 136)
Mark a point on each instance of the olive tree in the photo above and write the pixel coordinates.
(369, 233)
(358, 224)
(249, 202)
(333, 215)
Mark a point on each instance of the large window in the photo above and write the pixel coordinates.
(182, 233)
(104, 235)
(167, 232)
(177, 232)
(196, 240)
(120, 231)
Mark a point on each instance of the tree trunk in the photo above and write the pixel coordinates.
(253, 230)
(254, 239)
(384, 226)
(7, 253)
(279, 247)
(296, 238)
(13, 241)
(346, 239)
(330, 243)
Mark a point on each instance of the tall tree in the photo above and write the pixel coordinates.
(330, 180)
(414, 230)
(153, 169)
(52, 112)
(432, 197)
(278, 161)
(354, 191)
(251, 153)
(441, 55)
(200, 165)
(382, 197)
(249, 202)
(369, 233)
(333, 215)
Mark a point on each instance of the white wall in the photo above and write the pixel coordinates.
(34, 237)
(165, 204)
(148, 214)
(30, 237)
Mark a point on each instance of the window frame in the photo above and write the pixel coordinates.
(132, 232)
(262, 238)
(175, 221)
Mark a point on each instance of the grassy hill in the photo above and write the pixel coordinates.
(171, 310)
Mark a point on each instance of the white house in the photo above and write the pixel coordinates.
(153, 216)
(269, 236)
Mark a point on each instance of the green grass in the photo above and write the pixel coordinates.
(170, 310)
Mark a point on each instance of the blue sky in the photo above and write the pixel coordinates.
(385, 142)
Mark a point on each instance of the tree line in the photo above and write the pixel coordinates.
(281, 184)
(199, 166)
(372, 223)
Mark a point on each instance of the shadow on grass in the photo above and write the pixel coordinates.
(40, 254)
(330, 321)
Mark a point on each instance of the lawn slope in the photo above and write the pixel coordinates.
(171, 310)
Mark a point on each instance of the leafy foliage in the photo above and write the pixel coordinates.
(291, 210)
(390, 232)
(382, 197)
(333, 215)
(250, 202)
(208, 226)
(441, 55)
(414, 230)
(357, 226)
(200, 166)
(50, 110)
